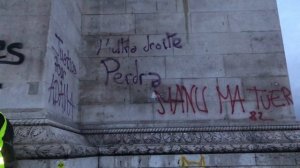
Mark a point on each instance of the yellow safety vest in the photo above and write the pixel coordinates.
(2, 133)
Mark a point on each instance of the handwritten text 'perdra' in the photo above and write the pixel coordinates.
(115, 75)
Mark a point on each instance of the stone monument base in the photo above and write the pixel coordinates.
(45, 143)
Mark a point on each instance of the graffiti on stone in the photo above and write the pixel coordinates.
(61, 94)
(12, 57)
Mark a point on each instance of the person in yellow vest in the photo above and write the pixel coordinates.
(7, 157)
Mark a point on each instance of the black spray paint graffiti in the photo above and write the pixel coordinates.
(11, 50)
(114, 74)
(63, 56)
(60, 94)
(124, 46)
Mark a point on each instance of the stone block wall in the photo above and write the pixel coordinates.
(96, 78)
(62, 64)
(253, 160)
(152, 63)
(40, 44)
(24, 26)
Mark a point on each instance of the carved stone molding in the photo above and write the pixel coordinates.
(194, 129)
(196, 149)
(50, 142)
(56, 150)
(96, 130)
(47, 139)
(195, 142)
(43, 122)
(46, 134)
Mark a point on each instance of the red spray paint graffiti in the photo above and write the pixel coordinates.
(271, 97)
(193, 100)
(184, 99)
(233, 99)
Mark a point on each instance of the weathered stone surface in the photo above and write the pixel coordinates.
(268, 65)
(231, 5)
(254, 21)
(104, 7)
(209, 160)
(268, 42)
(91, 162)
(223, 43)
(146, 77)
(194, 67)
(165, 6)
(140, 6)
(28, 7)
(209, 22)
(32, 163)
(49, 142)
(286, 159)
(108, 113)
(108, 24)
